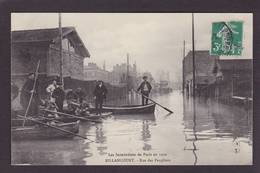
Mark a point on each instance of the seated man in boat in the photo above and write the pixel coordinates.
(52, 107)
(99, 93)
(71, 98)
(145, 88)
(59, 96)
(80, 95)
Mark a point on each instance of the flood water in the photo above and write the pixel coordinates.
(210, 134)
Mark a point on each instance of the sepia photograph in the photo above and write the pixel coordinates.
(131, 89)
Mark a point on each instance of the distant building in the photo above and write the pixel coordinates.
(118, 76)
(218, 79)
(204, 65)
(235, 79)
(93, 72)
(29, 46)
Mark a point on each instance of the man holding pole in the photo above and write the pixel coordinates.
(99, 93)
(59, 96)
(145, 88)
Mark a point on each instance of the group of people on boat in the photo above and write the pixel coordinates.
(56, 96)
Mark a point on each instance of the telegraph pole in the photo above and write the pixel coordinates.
(193, 59)
(61, 58)
(127, 77)
(127, 72)
(183, 80)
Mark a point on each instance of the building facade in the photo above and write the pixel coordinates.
(30, 46)
(92, 72)
(221, 79)
(205, 64)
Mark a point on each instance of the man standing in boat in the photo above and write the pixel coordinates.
(145, 88)
(99, 93)
(59, 96)
(27, 92)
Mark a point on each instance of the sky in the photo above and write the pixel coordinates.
(153, 40)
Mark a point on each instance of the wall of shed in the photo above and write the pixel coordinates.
(24, 59)
(72, 63)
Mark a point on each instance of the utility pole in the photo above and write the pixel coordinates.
(127, 72)
(194, 94)
(193, 59)
(127, 77)
(61, 58)
(183, 61)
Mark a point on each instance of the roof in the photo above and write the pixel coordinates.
(49, 35)
(204, 62)
(237, 64)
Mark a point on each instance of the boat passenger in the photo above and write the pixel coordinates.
(99, 93)
(59, 96)
(80, 95)
(50, 90)
(145, 88)
(26, 93)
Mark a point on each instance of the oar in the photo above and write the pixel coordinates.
(154, 102)
(80, 118)
(31, 119)
(33, 89)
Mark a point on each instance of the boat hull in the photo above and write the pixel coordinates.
(132, 109)
(44, 132)
(88, 117)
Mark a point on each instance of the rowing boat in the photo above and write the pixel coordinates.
(129, 109)
(87, 116)
(16, 122)
(45, 132)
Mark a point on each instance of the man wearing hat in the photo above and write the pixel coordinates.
(99, 93)
(59, 96)
(27, 92)
(145, 88)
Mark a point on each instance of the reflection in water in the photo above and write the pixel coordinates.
(194, 133)
(213, 134)
(146, 135)
(211, 120)
(101, 139)
(195, 138)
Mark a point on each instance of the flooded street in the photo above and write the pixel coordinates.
(212, 134)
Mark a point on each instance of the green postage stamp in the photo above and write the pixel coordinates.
(226, 38)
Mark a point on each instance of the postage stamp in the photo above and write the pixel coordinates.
(226, 38)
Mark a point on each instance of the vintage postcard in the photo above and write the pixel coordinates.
(131, 89)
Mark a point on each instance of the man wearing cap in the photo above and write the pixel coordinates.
(145, 88)
(99, 93)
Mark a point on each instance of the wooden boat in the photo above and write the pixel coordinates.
(95, 116)
(44, 132)
(129, 109)
(87, 117)
(15, 122)
(140, 117)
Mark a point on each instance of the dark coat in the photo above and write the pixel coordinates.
(100, 92)
(58, 94)
(141, 87)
